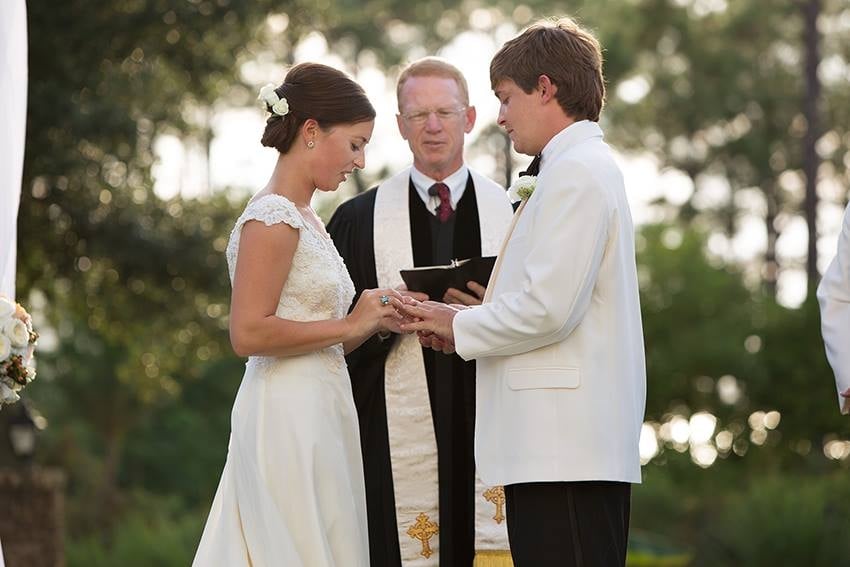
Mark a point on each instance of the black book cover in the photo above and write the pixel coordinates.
(435, 280)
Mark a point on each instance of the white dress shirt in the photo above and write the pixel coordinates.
(456, 183)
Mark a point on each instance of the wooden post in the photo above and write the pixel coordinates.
(32, 519)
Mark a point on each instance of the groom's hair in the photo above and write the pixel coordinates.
(433, 67)
(563, 51)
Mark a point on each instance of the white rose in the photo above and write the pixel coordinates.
(17, 332)
(281, 107)
(5, 347)
(27, 355)
(268, 95)
(30, 373)
(522, 188)
(526, 182)
(8, 395)
(7, 308)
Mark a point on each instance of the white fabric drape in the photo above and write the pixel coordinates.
(13, 107)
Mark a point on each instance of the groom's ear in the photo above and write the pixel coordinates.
(546, 88)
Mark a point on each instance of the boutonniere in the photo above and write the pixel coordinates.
(522, 188)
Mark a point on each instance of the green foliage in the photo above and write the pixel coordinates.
(134, 288)
(698, 318)
(139, 387)
(156, 532)
(722, 516)
(664, 503)
(639, 559)
(689, 329)
(780, 521)
(180, 448)
(797, 379)
(718, 95)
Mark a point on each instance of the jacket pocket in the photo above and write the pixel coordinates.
(546, 377)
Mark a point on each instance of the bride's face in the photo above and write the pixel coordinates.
(338, 152)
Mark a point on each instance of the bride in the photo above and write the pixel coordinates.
(292, 491)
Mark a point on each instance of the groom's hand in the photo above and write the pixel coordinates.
(391, 324)
(846, 393)
(432, 341)
(457, 296)
(430, 316)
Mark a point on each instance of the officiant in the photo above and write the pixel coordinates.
(426, 506)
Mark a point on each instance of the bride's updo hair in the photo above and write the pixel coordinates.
(316, 91)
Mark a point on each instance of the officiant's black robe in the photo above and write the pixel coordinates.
(451, 381)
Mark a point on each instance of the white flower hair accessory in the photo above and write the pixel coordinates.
(522, 188)
(278, 105)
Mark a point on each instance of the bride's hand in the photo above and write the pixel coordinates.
(373, 311)
(392, 324)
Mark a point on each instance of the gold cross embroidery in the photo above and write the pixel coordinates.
(423, 530)
(496, 495)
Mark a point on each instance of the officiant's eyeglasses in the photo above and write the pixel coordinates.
(443, 114)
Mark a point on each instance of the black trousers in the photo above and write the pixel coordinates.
(568, 524)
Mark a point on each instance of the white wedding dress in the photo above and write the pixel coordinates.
(292, 491)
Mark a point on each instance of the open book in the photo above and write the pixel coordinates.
(435, 280)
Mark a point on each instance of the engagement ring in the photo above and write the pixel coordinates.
(385, 300)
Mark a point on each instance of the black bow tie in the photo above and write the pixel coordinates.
(533, 167)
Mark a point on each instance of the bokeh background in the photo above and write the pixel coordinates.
(731, 119)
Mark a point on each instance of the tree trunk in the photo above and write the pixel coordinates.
(207, 140)
(108, 493)
(771, 265)
(811, 161)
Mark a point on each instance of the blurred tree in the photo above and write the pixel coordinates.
(720, 97)
(135, 287)
(811, 10)
(690, 332)
(139, 385)
(778, 521)
(714, 99)
(715, 346)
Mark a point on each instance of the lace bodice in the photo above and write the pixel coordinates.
(318, 286)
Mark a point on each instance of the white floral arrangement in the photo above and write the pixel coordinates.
(269, 96)
(522, 188)
(17, 345)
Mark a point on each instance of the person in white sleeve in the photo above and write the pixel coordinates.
(834, 298)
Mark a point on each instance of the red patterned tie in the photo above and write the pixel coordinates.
(441, 190)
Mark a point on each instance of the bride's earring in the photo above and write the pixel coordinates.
(310, 144)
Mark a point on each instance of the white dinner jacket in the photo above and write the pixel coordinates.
(834, 298)
(561, 379)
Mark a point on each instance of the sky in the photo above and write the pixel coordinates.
(239, 163)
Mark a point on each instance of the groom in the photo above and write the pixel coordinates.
(558, 341)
